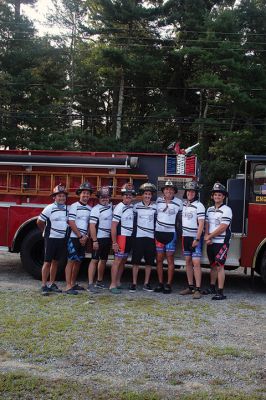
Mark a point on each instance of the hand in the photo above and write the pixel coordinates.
(195, 243)
(83, 240)
(115, 247)
(95, 245)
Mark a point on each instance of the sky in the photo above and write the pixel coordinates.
(38, 15)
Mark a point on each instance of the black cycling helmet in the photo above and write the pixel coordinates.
(58, 189)
(147, 187)
(169, 184)
(218, 187)
(84, 186)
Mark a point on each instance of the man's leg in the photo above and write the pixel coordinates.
(45, 272)
(68, 273)
(221, 277)
(160, 257)
(75, 271)
(147, 274)
(135, 271)
(114, 272)
(197, 271)
(101, 269)
(92, 270)
(53, 271)
(213, 275)
(171, 266)
(189, 270)
(121, 270)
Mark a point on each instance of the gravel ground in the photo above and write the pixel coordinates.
(168, 344)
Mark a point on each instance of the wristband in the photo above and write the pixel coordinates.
(95, 241)
(114, 243)
(80, 237)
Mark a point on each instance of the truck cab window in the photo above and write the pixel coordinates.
(259, 181)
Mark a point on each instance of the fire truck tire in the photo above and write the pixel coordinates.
(32, 255)
(263, 267)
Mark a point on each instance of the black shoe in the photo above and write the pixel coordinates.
(45, 290)
(167, 289)
(78, 287)
(147, 287)
(71, 291)
(219, 296)
(208, 291)
(54, 288)
(159, 288)
(132, 288)
(100, 285)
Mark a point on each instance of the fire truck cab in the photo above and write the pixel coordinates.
(247, 198)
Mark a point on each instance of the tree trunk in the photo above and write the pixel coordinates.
(202, 114)
(120, 106)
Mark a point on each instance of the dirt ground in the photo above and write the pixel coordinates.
(169, 345)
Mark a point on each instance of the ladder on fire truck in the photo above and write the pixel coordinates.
(40, 183)
(32, 175)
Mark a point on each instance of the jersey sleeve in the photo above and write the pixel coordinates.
(201, 211)
(45, 214)
(94, 216)
(72, 214)
(227, 216)
(117, 213)
(207, 215)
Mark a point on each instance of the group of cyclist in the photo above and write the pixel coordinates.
(148, 229)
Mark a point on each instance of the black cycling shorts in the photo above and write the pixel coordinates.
(54, 249)
(217, 254)
(103, 251)
(143, 247)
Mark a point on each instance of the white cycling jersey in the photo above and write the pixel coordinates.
(101, 216)
(144, 217)
(167, 214)
(80, 214)
(192, 213)
(55, 217)
(217, 216)
(123, 214)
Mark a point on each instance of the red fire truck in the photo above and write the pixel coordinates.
(27, 179)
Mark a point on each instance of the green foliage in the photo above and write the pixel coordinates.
(192, 71)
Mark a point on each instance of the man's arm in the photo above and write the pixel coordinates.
(93, 235)
(41, 225)
(83, 238)
(222, 228)
(114, 235)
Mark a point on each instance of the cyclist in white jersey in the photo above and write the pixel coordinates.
(121, 234)
(217, 237)
(100, 231)
(143, 242)
(53, 223)
(193, 217)
(168, 220)
(78, 220)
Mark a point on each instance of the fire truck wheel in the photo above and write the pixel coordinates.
(32, 255)
(263, 267)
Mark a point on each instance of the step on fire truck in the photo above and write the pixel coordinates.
(27, 179)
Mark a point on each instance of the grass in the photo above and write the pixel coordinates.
(64, 333)
(227, 351)
(15, 386)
